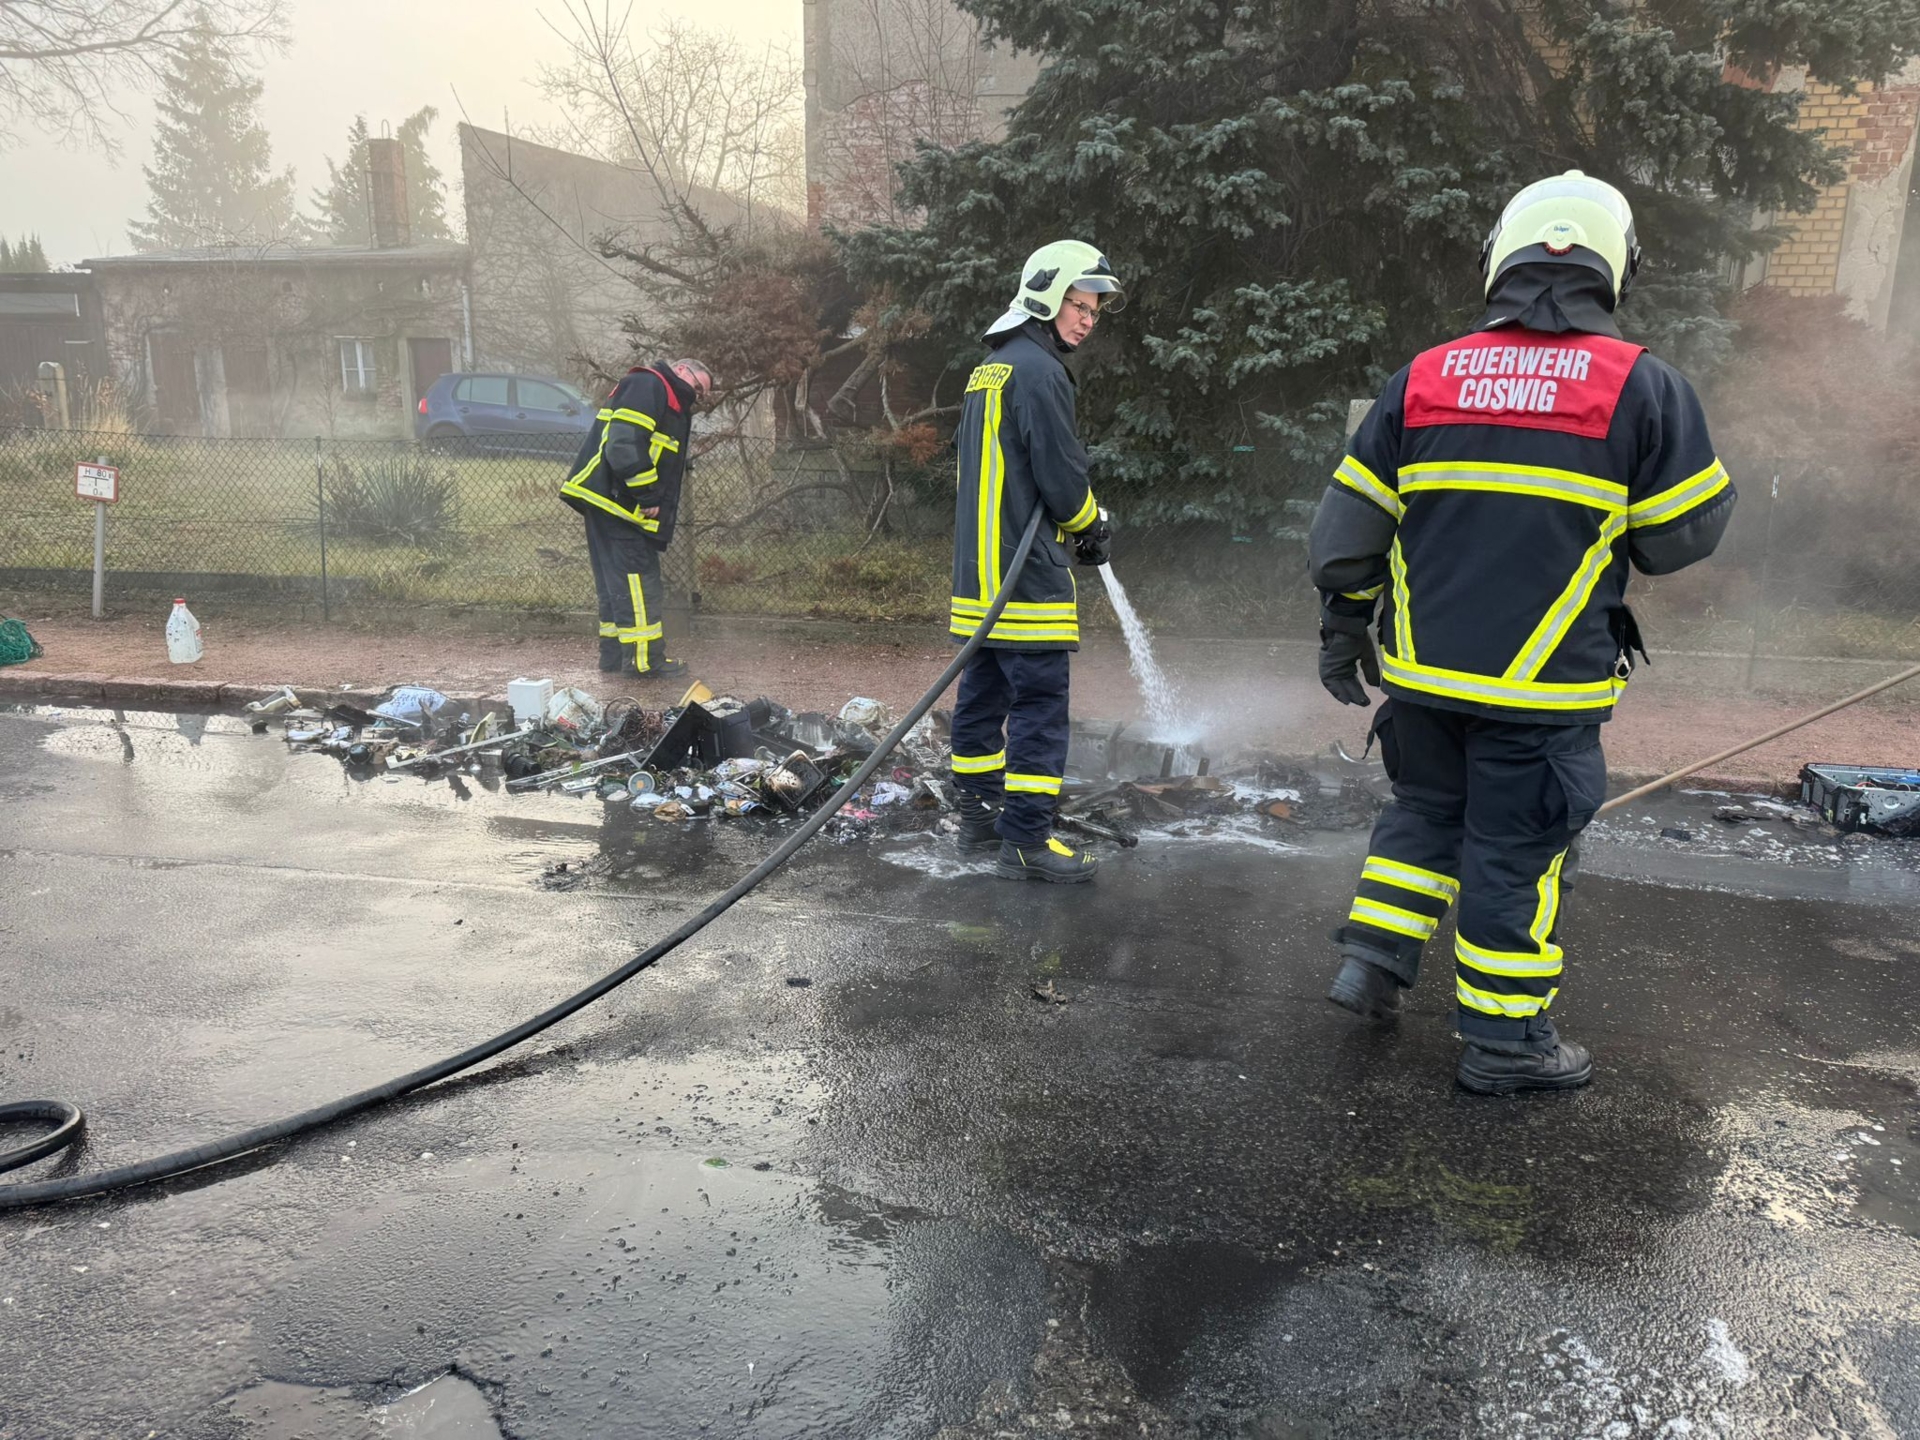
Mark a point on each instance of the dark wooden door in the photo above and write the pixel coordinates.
(430, 360)
(249, 389)
(176, 394)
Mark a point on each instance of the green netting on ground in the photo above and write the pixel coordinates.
(16, 645)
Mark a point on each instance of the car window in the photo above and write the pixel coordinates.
(538, 395)
(575, 394)
(482, 390)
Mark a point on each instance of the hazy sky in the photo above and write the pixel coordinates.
(385, 58)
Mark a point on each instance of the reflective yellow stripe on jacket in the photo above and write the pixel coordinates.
(1358, 478)
(1084, 516)
(1689, 494)
(1497, 690)
(1572, 602)
(992, 473)
(1021, 620)
(1514, 480)
(576, 485)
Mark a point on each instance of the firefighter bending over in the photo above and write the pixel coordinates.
(1019, 450)
(626, 482)
(1490, 505)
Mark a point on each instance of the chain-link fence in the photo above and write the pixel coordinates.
(337, 523)
(849, 532)
(1819, 562)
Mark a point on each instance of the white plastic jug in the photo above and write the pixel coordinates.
(183, 635)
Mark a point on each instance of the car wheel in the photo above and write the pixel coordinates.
(444, 437)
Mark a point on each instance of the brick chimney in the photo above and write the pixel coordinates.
(387, 194)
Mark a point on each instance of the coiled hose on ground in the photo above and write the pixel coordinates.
(72, 1123)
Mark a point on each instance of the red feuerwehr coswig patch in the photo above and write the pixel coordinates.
(1570, 383)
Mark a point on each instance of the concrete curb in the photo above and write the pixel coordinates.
(120, 691)
(1745, 782)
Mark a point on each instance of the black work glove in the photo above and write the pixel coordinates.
(1094, 545)
(1344, 656)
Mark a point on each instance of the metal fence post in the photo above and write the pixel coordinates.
(320, 493)
(1760, 598)
(691, 549)
(99, 546)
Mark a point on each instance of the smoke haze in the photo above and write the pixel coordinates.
(346, 57)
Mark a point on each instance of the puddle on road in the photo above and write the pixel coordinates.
(1675, 839)
(1841, 1151)
(448, 1408)
(1164, 1311)
(935, 857)
(198, 722)
(1884, 1164)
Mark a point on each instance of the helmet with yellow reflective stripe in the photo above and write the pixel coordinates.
(1570, 219)
(1049, 273)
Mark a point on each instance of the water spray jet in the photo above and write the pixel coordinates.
(1166, 715)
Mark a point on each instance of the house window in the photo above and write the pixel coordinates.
(356, 367)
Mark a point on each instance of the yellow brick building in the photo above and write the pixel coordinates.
(1850, 243)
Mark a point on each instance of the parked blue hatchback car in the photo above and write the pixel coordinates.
(510, 413)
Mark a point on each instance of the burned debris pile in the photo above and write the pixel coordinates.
(717, 757)
(706, 756)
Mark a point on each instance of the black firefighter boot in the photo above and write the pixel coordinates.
(1053, 861)
(1364, 986)
(978, 815)
(1488, 1068)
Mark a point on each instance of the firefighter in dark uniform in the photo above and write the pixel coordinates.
(626, 482)
(1019, 450)
(1490, 506)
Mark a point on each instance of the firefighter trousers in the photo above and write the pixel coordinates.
(626, 578)
(1010, 736)
(1484, 812)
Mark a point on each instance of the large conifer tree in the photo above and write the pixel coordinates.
(341, 206)
(1297, 190)
(211, 181)
(26, 258)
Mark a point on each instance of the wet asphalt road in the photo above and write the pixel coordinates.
(905, 1197)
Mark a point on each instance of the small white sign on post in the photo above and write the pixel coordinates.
(97, 482)
(100, 483)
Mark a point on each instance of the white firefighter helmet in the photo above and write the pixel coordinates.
(1572, 219)
(1049, 273)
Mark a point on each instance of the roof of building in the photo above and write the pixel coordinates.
(618, 196)
(426, 252)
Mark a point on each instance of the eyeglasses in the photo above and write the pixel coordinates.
(1089, 313)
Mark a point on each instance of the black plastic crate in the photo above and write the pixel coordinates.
(1864, 797)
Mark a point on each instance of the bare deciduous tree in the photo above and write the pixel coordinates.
(66, 64)
(760, 298)
(694, 110)
(903, 72)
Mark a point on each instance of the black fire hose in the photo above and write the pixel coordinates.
(69, 1125)
(16, 1197)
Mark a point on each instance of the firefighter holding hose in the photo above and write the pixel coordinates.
(1019, 450)
(1488, 511)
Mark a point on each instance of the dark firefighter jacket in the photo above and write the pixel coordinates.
(1491, 503)
(635, 456)
(1018, 450)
